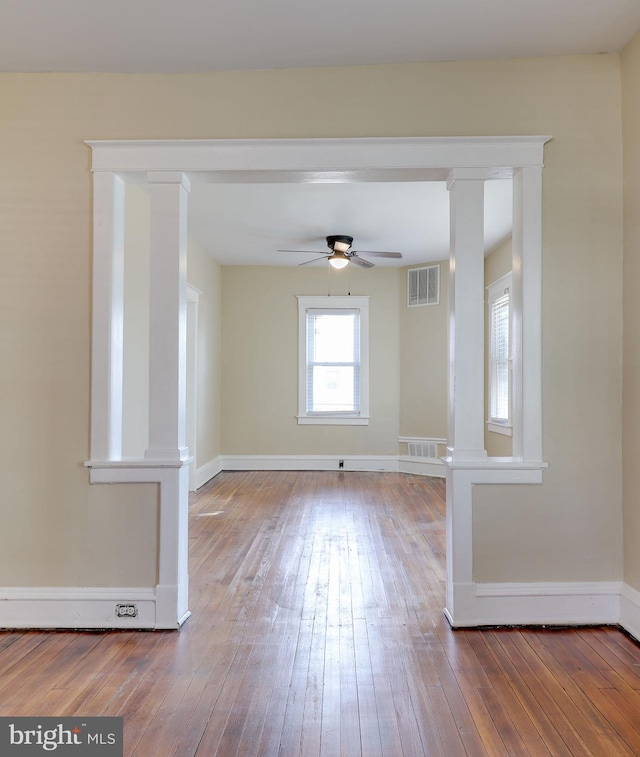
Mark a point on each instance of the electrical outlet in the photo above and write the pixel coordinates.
(340, 463)
(127, 611)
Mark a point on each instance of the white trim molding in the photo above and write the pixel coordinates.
(208, 471)
(500, 428)
(77, 608)
(167, 167)
(421, 467)
(630, 610)
(172, 476)
(389, 463)
(320, 160)
(572, 603)
(311, 462)
(462, 606)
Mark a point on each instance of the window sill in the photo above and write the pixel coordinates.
(500, 428)
(333, 420)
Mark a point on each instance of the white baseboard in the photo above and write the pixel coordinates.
(630, 610)
(572, 603)
(73, 607)
(207, 471)
(310, 462)
(420, 467)
(389, 463)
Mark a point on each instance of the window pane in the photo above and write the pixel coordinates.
(500, 409)
(500, 326)
(333, 370)
(332, 389)
(332, 337)
(499, 376)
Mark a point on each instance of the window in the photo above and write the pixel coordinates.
(499, 356)
(333, 384)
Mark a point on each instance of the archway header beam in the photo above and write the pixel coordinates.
(339, 160)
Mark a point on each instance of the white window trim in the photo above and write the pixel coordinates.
(349, 302)
(506, 429)
(494, 291)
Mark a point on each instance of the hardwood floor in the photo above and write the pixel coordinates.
(317, 629)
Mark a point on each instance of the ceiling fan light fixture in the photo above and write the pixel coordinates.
(338, 259)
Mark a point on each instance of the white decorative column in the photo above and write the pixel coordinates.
(466, 378)
(466, 316)
(108, 316)
(167, 449)
(526, 341)
(168, 316)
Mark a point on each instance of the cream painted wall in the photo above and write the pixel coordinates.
(631, 398)
(570, 528)
(424, 360)
(260, 361)
(206, 275)
(567, 529)
(496, 264)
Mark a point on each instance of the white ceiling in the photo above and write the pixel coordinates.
(246, 224)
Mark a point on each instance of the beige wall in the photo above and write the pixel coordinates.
(568, 528)
(206, 275)
(424, 360)
(631, 403)
(496, 264)
(408, 376)
(260, 361)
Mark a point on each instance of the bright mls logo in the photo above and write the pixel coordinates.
(81, 737)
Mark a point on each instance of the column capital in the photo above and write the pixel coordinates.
(169, 177)
(466, 174)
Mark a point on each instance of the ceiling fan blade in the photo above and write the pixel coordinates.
(306, 262)
(305, 252)
(379, 254)
(361, 261)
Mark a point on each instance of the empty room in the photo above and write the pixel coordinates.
(319, 382)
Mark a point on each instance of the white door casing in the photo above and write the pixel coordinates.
(166, 166)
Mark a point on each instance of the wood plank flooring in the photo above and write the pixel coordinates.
(317, 629)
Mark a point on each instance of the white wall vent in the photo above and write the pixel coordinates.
(423, 286)
(423, 449)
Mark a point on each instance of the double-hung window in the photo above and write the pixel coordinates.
(499, 400)
(333, 360)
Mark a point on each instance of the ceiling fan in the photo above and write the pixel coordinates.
(341, 253)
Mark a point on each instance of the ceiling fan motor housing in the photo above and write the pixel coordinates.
(340, 239)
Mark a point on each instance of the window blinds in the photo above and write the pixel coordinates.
(499, 366)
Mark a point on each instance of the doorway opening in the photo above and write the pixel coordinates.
(169, 168)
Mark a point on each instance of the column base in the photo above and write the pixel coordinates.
(172, 454)
(456, 455)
